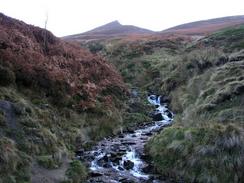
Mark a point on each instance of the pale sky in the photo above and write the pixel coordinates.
(66, 17)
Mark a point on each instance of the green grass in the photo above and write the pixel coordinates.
(232, 31)
(205, 82)
(229, 39)
(199, 154)
(43, 130)
(76, 172)
(48, 161)
(14, 163)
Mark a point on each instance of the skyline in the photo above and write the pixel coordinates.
(77, 16)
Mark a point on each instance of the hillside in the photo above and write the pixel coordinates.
(55, 98)
(205, 26)
(114, 30)
(203, 79)
(108, 31)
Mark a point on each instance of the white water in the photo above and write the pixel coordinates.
(130, 145)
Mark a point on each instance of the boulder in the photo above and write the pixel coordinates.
(128, 165)
(158, 117)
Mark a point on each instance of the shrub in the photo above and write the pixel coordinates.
(48, 162)
(7, 77)
(76, 172)
(95, 47)
(14, 163)
(132, 119)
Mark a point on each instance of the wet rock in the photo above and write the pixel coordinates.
(125, 180)
(121, 136)
(158, 117)
(121, 168)
(169, 114)
(107, 165)
(128, 165)
(96, 153)
(115, 158)
(148, 134)
(164, 99)
(95, 174)
(79, 152)
(130, 130)
(144, 156)
(128, 143)
(104, 162)
(148, 169)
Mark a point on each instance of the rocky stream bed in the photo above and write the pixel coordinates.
(122, 158)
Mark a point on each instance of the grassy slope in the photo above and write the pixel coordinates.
(205, 82)
(55, 98)
(207, 138)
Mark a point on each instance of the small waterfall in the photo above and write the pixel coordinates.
(118, 159)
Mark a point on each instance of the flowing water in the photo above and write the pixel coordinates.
(120, 159)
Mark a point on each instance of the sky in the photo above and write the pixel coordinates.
(66, 17)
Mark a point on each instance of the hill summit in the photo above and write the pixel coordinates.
(203, 27)
(110, 30)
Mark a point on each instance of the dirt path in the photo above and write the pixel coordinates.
(42, 175)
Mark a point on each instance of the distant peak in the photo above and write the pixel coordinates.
(113, 23)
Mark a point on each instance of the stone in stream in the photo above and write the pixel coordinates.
(121, 168)
(144, 156)
(128, 143)
(104, 162)
(115, 157)
(158, 117)
(164, 99)
(95, 174)
(121, 136)
(148, 134)
(147, 169)
(169, 114)
(128, 165)
(80, 152)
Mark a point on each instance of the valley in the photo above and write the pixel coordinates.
(80, 106)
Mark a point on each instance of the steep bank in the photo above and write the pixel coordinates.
(208, 137)
(54, 98)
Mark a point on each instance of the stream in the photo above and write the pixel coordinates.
(120, 159)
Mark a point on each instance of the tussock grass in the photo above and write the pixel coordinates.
(14, 163)
(200, 154)
(76, 172)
